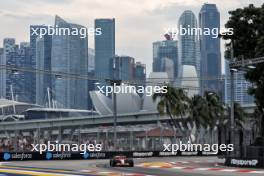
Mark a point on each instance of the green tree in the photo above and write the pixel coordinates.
(206, 111)
(248, 42)
(215, 108)
(174, 103)
(198, 111)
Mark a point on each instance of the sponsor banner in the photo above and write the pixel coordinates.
(97, 155)
(189, 153)
(20, 156)
(16, 156)
(245, 162)
(142, 154)
(207, 153)
(161, 154)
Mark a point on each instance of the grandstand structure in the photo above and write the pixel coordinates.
(142, 130)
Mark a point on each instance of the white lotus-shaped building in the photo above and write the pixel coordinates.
(128, 102)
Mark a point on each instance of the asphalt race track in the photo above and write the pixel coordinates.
(167, 166)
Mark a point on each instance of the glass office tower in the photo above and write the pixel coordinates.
(123, 68)
(189, 54)
(8, 47)
(163, 50)
(209, 17)
(241, 87)
(69, 55)
(104, 48)
(188, 43)
(43, 62)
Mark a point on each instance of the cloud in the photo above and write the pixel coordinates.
(22, 16)
(169, 12)
(138, 22)
(47, 1)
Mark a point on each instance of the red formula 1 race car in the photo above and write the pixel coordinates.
(121, 161)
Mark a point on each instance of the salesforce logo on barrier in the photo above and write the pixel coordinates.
(48, 155)
(86, 155)
(7, 156)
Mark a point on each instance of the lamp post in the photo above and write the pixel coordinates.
(115, 83)
(115, 118)
(232, 115)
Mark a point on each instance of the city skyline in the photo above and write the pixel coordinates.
(129, 39)
(132, 87)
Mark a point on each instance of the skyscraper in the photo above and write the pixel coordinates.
(91, 70)
(69, 55)
(2, 71)
(31, 77)
(8, 47)
(91, 61)
(104, 47)
(15, 81)
(140, 71)
(123, 68)
(29, 92)
(163, 50)
(241, 87)
(189, 57)
(209, 17)
(43, 62)
(168, 66)
(188, 43)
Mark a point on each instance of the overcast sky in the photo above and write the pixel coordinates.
(138, 22)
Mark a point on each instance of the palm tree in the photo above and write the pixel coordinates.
(215, 109)
(174, 103)
(215, 112)
(205, 111)
(198, 111)
(239, 118)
